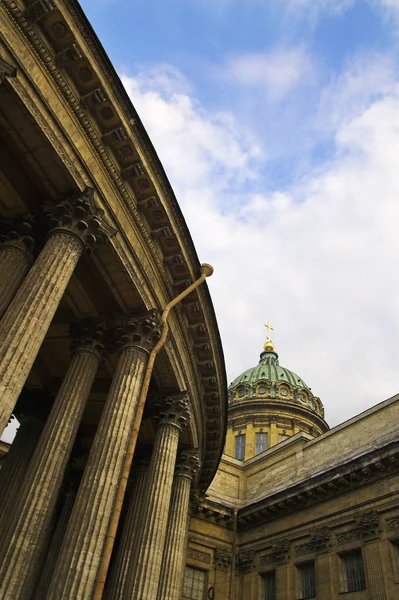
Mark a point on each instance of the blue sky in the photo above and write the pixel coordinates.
(277, 122)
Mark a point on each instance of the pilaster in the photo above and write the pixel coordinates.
(173, 563)
(76, 569)
(75, 227)
(23, 545)
(143, 580)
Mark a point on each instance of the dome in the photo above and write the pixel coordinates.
(270, 369)
(268, 380)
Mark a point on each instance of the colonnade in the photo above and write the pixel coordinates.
(149, 562)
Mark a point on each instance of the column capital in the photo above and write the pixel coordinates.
(79, 216)
(139, 332)
(174, 410)
(188, 464)
(88, 335)
(18, 233)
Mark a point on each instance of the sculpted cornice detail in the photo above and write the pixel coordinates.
(245, 561)
(199, 555)
(393, 523)
(278, 553)
(320, 539)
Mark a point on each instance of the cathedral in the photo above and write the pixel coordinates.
(136, 472)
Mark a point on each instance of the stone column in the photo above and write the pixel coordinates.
(173, 563)
(76, 569)
(55, 544)
(16, 256)
(375, 573)
(75, 226)
(143, 580)
(117, 580)
(16, 463)
(23, 545)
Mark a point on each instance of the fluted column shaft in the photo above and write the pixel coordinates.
(143, 580)
(76, 569)
(22, 546)
(117, 580)
(74, 226)
(55, 544)
(16, 463)
(173, 563)
(14, 264)
(27, 319)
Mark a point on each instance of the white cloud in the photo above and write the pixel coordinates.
(319, 260)
(278, 71)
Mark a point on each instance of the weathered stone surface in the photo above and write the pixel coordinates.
(172, 570)
(143, 580)
(23, 545)
(75, 226)
(76, 569)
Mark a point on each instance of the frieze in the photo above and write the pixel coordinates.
(245, 561)
(318, 543)
(222, 559)
(393, 523)
(278, 553)
(199, 555)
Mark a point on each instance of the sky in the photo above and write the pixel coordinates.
(277, 122)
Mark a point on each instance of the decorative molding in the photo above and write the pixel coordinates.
(245, 561)
(278, 553)
(222, 559)
(367, 525)
(320, 539)
(6, 70)
(393, 523)
(198, 555)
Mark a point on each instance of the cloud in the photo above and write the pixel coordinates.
(318, 259)
(278, 71)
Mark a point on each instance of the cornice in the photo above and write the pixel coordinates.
(365, 470)
(116, 150)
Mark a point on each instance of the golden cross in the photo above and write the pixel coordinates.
(269, 327)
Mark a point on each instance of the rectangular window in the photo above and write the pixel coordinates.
(352, 564)
(269, 586)
(194, 584)
(307, 581)
(261, 442)
(240, 447)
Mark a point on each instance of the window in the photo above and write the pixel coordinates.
(269, 586)
(307, 581)
(282, 437)
(240, 447)
(194, 584)
(353, 572)
(261, 442)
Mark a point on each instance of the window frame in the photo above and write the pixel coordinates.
(205, 588)
(261, 433)
(302, 569)
(264, 576)
(347, 583)
(239, 447)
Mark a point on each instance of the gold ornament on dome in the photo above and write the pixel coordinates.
(269, 346)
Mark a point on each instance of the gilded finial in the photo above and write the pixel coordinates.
(269, 346)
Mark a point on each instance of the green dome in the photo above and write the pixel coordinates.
(270, 369)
